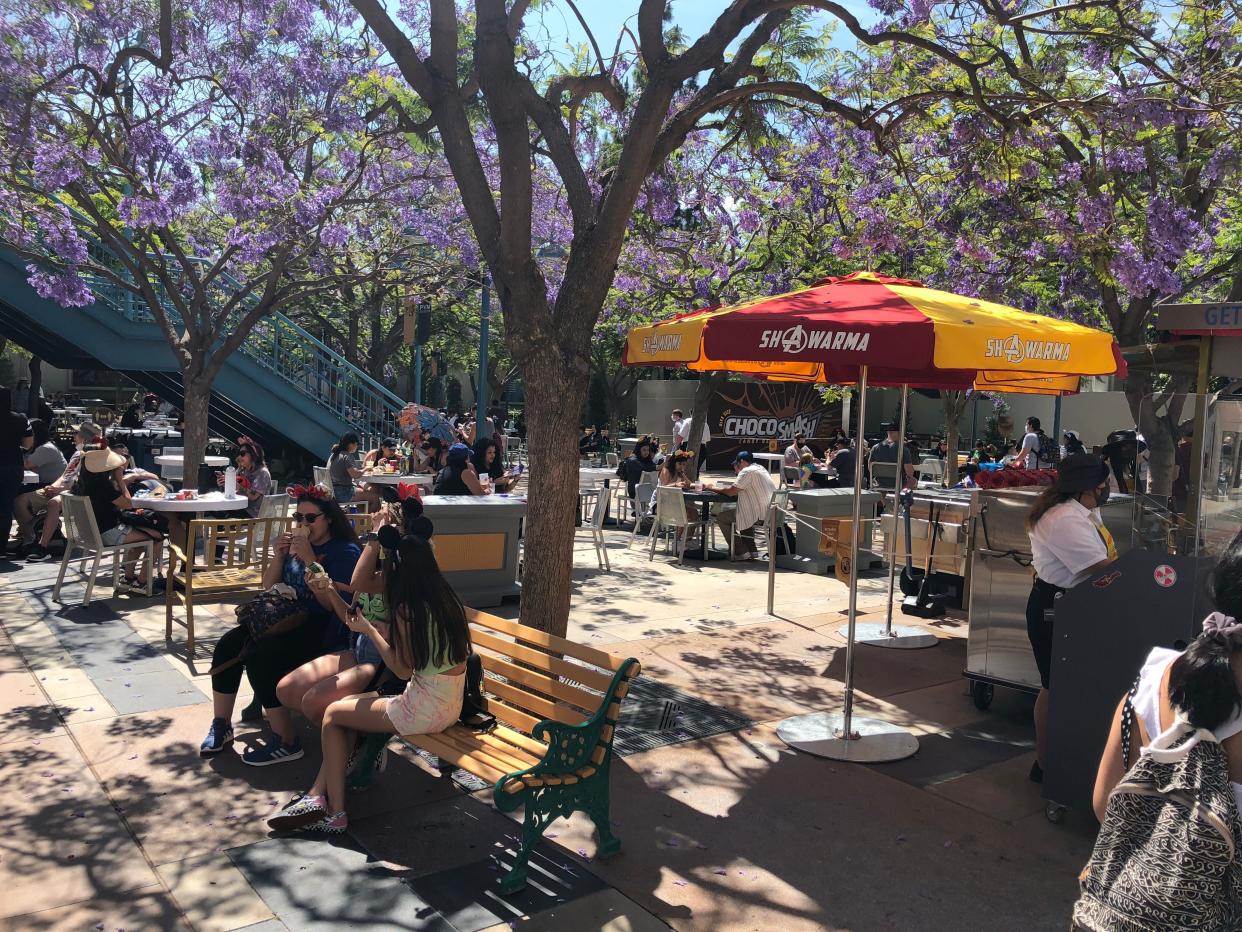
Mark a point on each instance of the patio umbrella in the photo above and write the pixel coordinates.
(865, 329)
(429, 420)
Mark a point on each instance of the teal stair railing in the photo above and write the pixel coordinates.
(307, 365)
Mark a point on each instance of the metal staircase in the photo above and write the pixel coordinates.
(282, 384)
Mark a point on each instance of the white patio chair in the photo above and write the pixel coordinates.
(82, 533)
(611, 460)
(670, 515)
(174, 472)
(322, 476)
(930, 473)
(780, 498)
(595, 525)
(640, 504)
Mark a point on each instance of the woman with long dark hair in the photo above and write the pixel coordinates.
(459, 477)
(360, 668)
(344, 467)
(489, 465)
(1069, 544)
(427, 642)
(321, 534)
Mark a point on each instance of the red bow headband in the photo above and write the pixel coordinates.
(317, 492)
(409, 489)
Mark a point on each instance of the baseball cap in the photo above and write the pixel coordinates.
(458, 451)
(1081, 472)
(743, 456)
(888, 425)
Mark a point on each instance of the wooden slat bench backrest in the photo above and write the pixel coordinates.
(531, 675)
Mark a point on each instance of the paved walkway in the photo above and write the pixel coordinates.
(116, 823)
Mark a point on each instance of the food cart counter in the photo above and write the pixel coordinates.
(998, 652)
(944, 512)
(477, 544)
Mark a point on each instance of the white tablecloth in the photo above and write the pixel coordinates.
(394, 480)
(176, 459)
(209, 501)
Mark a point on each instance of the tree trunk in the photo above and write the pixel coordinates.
(196, 385)
(36, 385)
(709, 384)
(552, 440)
(954, 404)
(1159, 429)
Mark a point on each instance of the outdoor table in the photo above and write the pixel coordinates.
(476, 542)
(176, 459)
(30, 478)
(770, 458)
(706, 498)
(208, 501)
(394, 479)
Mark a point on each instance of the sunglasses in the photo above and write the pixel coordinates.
(300, 517)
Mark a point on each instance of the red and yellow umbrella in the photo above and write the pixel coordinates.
(900, 331)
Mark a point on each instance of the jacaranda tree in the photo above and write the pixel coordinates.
(209, 159)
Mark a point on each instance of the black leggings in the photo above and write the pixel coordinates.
(1039, 626)
(265, 661)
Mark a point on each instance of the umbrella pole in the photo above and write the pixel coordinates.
(903, 637)
(841, 736)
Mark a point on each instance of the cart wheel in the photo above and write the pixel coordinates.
(982, 693)
(1054, 813)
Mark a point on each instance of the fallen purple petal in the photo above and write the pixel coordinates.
(721, 871)
(679, 883)
(948, 844)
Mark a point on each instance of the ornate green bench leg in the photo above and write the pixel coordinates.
(535, 821)
(608, 844)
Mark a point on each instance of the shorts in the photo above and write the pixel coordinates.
(115, 535)
(428, 704)
(343, 493)
(1039, 628)
(365, 651)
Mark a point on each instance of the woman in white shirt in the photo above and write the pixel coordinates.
(1069, 544)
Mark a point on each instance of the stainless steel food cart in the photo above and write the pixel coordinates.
(998, 652)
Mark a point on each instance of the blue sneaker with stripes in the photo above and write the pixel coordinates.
(273, 752)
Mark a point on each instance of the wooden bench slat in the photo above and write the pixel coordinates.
(470, 743)
(526, 743)
(572, 671)
(588, 702)
(532, 703)
(544, 639)
(517, 752)
(521, 721)
(445, 751)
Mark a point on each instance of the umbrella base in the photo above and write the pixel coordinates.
(902, 637)
(876, 742)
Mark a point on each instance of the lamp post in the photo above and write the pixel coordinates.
(417, 316)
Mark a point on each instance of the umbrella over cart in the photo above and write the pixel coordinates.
(869, 329)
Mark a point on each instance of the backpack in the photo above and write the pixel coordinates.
(1168, 853)
(622, 472)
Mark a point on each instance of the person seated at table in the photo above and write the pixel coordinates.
(808, 475)
(312, 687)
(345, 469)
(640, 461)
(487, 465)
(842, 462)
(134, 475)
(387, 450)
(322, 534)
(673, 473)
(980, 453)
(969, 472)
(47, 499)
(753, 490)
(132, 416)
(101, 480)
(459, 477)
(588, 442)
(793, 457)
(427, 643)
(254, 480)
(42, 456)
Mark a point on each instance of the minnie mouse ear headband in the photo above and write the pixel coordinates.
(317, 492)
(390, 538)
(682, 455)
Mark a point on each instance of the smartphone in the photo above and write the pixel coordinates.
(517, 470)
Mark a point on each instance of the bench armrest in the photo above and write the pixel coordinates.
(573, 749)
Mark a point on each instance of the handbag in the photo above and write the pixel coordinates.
(474, 712)
(145, 519)
(274, 611)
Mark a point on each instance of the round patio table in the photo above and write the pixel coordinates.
(176, 459)
(208, 501)
(706, 498)
(394, 479)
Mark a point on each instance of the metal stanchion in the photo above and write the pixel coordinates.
(841, 736)
(773, 511)
(903, 637)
